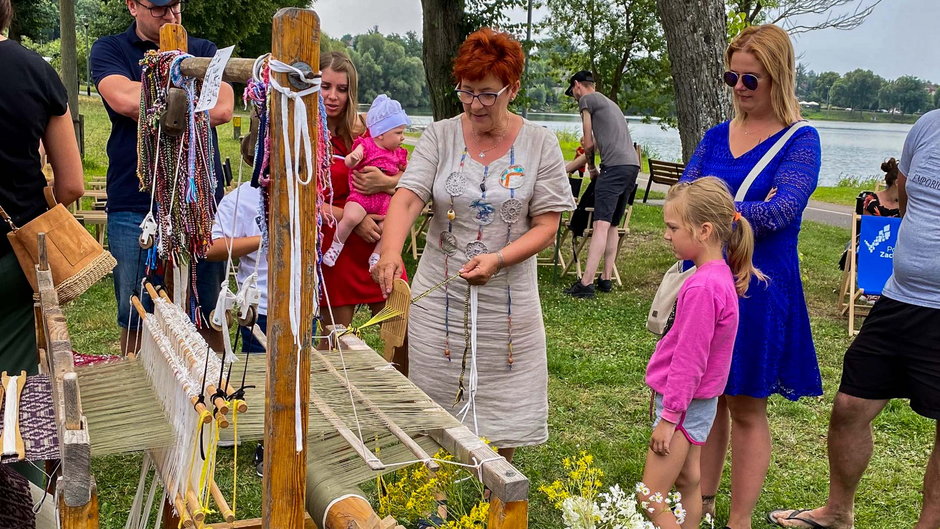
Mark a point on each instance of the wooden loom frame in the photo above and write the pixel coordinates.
(296, 39)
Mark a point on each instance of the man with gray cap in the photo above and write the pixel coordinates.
(605, 131)
(116, 70)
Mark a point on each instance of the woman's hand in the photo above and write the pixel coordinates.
(480, 269)
(371, 180)
(370, 229)
(662, 437)
(386, 271)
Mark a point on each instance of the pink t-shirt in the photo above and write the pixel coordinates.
(693, 359)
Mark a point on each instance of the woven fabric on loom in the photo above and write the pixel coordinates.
(37, 421)
(16, 504)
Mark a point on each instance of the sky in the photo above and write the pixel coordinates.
(896, 39)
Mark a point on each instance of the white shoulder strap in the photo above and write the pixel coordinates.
(746, 185)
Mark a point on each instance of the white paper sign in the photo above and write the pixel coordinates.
(213, 80)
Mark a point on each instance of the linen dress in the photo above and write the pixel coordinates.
(511, 403)
(773, 350)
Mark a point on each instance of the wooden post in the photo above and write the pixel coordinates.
(512, 515)
(173, 37)
(296, 40)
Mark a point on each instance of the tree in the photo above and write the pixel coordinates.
(213, 20)
(446, 24)
(695, 38)
(385, 67)
(824, 82)
(907, 94)
(805, 82)
(858, 89)
(789, 14)
(36, 19)
(936, 98)
(620, 41)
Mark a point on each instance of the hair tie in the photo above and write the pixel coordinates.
(737, 217)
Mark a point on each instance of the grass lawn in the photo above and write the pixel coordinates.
(598, 350)
(844, 195)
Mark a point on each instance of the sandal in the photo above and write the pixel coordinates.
(794, 516)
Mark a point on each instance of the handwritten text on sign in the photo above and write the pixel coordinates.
(213, 79)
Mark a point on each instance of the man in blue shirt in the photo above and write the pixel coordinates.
(115, 63)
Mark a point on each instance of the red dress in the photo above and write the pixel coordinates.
(349, 281)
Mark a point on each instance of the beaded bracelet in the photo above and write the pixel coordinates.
(499, 256)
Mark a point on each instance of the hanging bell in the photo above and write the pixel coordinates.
(173, 122)
(250, 142)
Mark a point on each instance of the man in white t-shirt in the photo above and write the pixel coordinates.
(897, 352)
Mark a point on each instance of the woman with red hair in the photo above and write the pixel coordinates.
(498, 186)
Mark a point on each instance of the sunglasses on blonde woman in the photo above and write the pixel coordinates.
(749, 80)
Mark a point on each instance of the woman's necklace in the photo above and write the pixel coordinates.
(482, 152)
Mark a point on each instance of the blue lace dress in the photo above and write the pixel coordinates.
(773, 351)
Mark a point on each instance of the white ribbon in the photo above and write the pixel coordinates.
(303, 143)
(11, 416)
(471, 404)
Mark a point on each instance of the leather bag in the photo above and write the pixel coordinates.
(75, 258)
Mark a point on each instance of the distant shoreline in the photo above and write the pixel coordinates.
(859, 116)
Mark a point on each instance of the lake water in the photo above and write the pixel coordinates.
(849, 149)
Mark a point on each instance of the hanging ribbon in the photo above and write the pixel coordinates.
(292, 153)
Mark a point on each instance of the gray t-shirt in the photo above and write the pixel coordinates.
(916, 277)
(611, 134)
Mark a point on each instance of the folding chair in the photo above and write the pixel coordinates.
(578, 244)
(869, 263)
(419, 229)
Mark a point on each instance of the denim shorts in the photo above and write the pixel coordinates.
(123, 235)
(697, 420)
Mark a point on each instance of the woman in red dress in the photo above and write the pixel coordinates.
(348, 283)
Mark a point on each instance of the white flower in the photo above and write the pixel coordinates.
(578, 512)
(679, 512)
(641, 488)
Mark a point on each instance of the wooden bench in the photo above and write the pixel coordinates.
(666, 173)
(97, 218)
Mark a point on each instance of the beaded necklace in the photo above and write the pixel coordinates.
(510, 211)
(178, 171)
(454, 185)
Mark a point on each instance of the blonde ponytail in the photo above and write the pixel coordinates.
(740, 252)
(707, 199)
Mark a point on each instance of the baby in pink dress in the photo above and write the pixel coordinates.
(381, 148)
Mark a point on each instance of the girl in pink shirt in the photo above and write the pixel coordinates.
(380, 148)
(689, 368)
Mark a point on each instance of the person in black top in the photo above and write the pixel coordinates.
(116, 70)
(884, 203)
(33, 109)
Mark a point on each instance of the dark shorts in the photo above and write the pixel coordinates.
(896, 355)
(613, 186)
